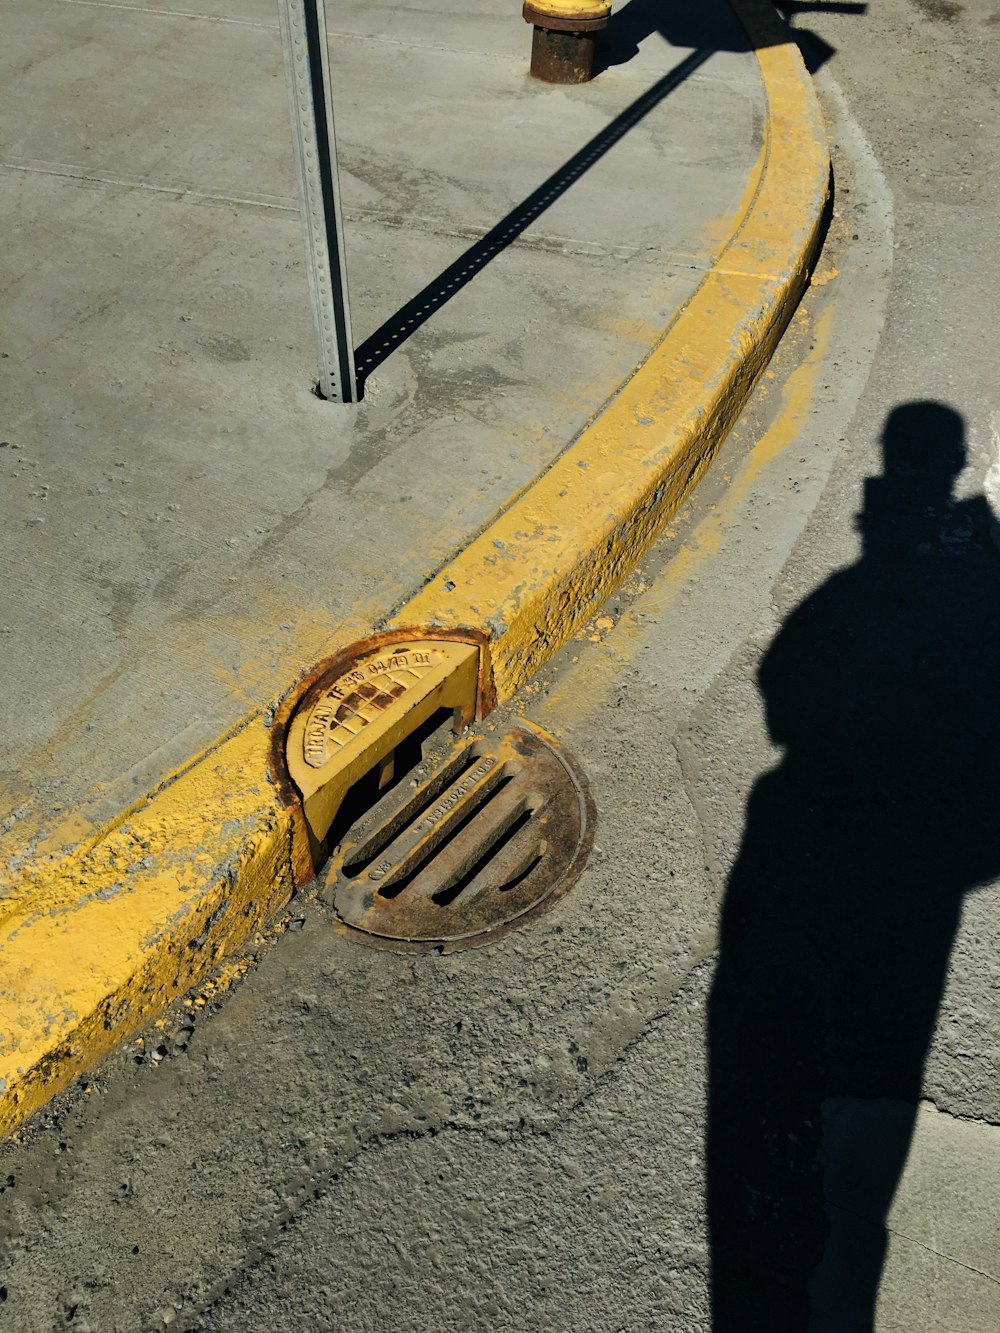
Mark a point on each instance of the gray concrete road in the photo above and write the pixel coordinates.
(766, 1019)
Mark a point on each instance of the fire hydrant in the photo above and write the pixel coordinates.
(565, 37)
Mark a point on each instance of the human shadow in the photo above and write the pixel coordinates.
(702, 30)
(841, 910)
(814, 49)
(710, 27)
(707, 27)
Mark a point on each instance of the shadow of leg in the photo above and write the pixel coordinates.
(764, 1185)
(865, 1146)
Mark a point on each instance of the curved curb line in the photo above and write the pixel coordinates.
(95, 943)
(540, 570)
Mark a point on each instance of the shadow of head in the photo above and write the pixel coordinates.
(923, 449)
(924, 443)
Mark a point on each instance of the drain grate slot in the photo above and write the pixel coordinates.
(470, 837)
(530, 863)
(486, 838)
(486, 858)
(446, 840)
(400, 808)
(403, 859)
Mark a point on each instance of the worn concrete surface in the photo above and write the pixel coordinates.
(515, 1137)
(185, 527)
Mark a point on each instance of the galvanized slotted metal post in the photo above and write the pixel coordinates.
(307, 74)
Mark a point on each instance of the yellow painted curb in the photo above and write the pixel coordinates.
(539, 571)
(94, 943)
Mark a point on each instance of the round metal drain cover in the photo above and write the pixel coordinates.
(481, 837)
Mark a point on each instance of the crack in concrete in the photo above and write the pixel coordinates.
(298, 1195)
(902, 1235)
(957, 1115)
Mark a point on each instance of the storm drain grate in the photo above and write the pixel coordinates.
(480, 836)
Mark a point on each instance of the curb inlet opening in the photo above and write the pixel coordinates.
(379, 788)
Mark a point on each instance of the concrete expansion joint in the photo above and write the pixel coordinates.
(216, 850)
(532, 1122)
(985, 1121)
(922, 1245)
(318, 1177)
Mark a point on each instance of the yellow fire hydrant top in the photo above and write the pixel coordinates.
(589, 13)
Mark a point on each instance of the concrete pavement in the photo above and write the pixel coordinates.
(186, 528)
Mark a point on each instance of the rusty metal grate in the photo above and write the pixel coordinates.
(481, 835)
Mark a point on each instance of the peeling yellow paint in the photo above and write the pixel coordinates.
(92, 943)
(716, 234)
(708, 537)
(821, 277)
(797, 395)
